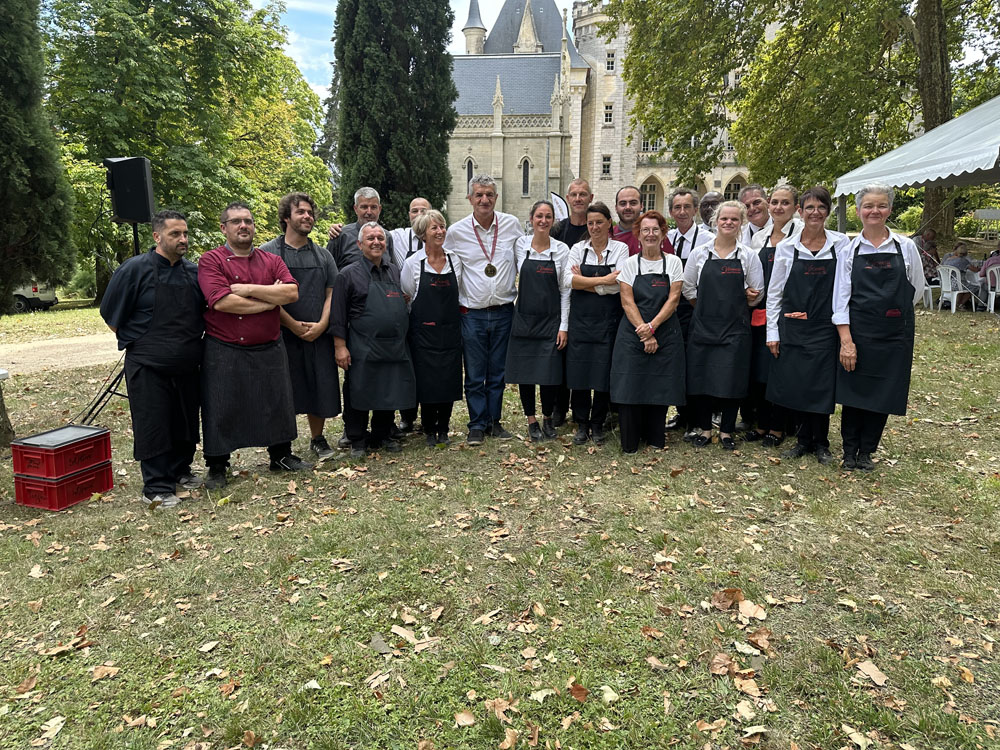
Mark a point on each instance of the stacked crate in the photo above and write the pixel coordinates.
(59, 468)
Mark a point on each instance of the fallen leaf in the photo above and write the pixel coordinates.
(567, 720)
(855, 736)
(436, 614)
(608, 695)
(754, 730)
(206, 647)
(725, 598)
(760, 639)
(52, 727)
(465, 719)
(509, 739)
(722, 664)
(311, 685)
(750, 610)
(28, 684)
(744, 711)
(37, 572)
(651, 632)
(529, 652)
(249, 738)
(406, 635)
(656, 664)
(103, 670)
(715, 726)
(869, 669)
(541, 695)
(34, 606)
(849, 604)
(966, 674)
(749, 687)
(579, 692)
(606, 725)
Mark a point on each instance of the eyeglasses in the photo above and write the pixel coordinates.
(237, 222)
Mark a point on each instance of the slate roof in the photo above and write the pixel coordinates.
(526, 82)
(474, 22)
(548, 26)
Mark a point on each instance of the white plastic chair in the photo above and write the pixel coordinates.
(951, 286)
(993, 282)
(929, 294)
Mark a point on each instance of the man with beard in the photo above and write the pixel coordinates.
(154, 306)
(305, 322)
(246, 392)
(628, 207)
(754, 197)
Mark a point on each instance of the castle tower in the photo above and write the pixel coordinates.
(474, 30)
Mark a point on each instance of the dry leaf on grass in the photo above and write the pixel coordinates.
(856, 737)
(749, 687)
(206, 647)
(722, 664)
(406, 635)
(27, 684)
(656, 664)
(608, 695)
(49, 730)
(541, 695)
(750, 610)
(509, 740)
(716, 726)
(876, 675)
(966, 674)
(579, 692)
(848, 604)
(103, 670)
(724, 599)
(465, 719)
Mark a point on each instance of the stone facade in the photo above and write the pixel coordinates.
(584, 131)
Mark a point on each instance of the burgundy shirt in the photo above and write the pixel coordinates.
(634, 248)
(220, 268)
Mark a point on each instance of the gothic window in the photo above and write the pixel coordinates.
(647, 196)
(525, 178)
(732, 192)
(468, 172)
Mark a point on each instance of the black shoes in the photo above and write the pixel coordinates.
(215, 479)
(824, 456)
(499, 432)
(850, 462)
(772, 441)
(865, 463)
(727, 443)
(405, 428)
(752, 436)
(674, 423)
(700, 441)
(344, 442)
(534, 431)
(321, 448)
(796, 451)
(290, 463)
(549, 429)
(583, 434)
(358, 450)
(476, 437)
(596, 434)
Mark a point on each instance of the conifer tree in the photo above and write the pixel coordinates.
(34, 193)
(396, 101)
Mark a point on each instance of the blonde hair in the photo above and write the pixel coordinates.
(423, 222)
(730, 204)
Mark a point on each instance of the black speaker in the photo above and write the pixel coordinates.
(131, 188)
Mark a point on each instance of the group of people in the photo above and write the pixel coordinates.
(748, 307)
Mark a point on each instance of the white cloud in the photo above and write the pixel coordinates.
(312, 56)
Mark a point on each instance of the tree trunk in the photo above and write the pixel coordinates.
(6, 429)
(934, 87)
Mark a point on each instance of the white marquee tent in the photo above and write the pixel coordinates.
(963, 151)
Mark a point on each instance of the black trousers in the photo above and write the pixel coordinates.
(563, 397)
(589, 409)
(861, 430)
(408, 415)
(814, 430)
(767, 416)
(356, 421)
(546, 393)
(275, 452)
(702, 408)
(435, 417)
(642, 422)
(160, 473)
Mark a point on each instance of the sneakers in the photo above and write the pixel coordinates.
(796, 451)
(215, 479)
(476, 437)
(321, 448)
(290, 463)
(674, 423)
(582, 434)
(824, 456)
(498, 431)
(865, 463)
(690, 435)
(431, 439)
(344, 442)
(597, 434)
(188, 481)
(165, 500)
(548, 428)
(534, 431)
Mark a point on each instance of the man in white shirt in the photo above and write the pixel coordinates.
(484, 242)
(404, 242)
(688, 235)
(754, 197)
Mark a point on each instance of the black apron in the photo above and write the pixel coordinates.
(761, 358)
(882, 327)
(312, 366)
(436, 337)
(532, 356)
(684, 308)
(718, 353)
(593, 321)
(161, 370)
(246, 396)
(804, 376)
(641, 378)
(381, 374)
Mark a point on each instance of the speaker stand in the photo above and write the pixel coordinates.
(135, 239)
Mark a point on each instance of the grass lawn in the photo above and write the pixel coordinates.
(537, 595)
(76, 318)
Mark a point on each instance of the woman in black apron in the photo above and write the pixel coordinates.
(538, 331)
(647, 368)
(879, 280)
(722, 280)
(594, 311)
(768, 420)
(800, 334)
(430, 280)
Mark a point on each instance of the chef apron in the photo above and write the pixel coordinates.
(532, 356)
(718, 353)
(161, 369)
(436, 337)
(638, 377)
(312, 366)
(761, 358)
(684, 308)
(381, 374)
(882, 327)
(593, 321)
(804, 376)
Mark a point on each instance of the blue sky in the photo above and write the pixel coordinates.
(310, 26)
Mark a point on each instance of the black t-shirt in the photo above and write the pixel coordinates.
(565, 231)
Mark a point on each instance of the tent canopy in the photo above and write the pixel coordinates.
(963, 151)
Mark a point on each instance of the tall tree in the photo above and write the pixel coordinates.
(34, 222)
(396, 101)
(810, 90)
(326, 144)
(200, 87)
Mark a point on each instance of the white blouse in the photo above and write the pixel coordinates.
(615, 255)
(409, 276)
(557, 252)
(753, 273)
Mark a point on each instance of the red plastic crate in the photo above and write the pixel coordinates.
(58, 453)
(57, 494)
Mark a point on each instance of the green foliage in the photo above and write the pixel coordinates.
(34, 195)
(398, 101)
(199, 87)
(910, 219)
(967, 225)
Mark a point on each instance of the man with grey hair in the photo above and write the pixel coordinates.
(484, 242)
(369, 322)
(343, 244)
(754, 198)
